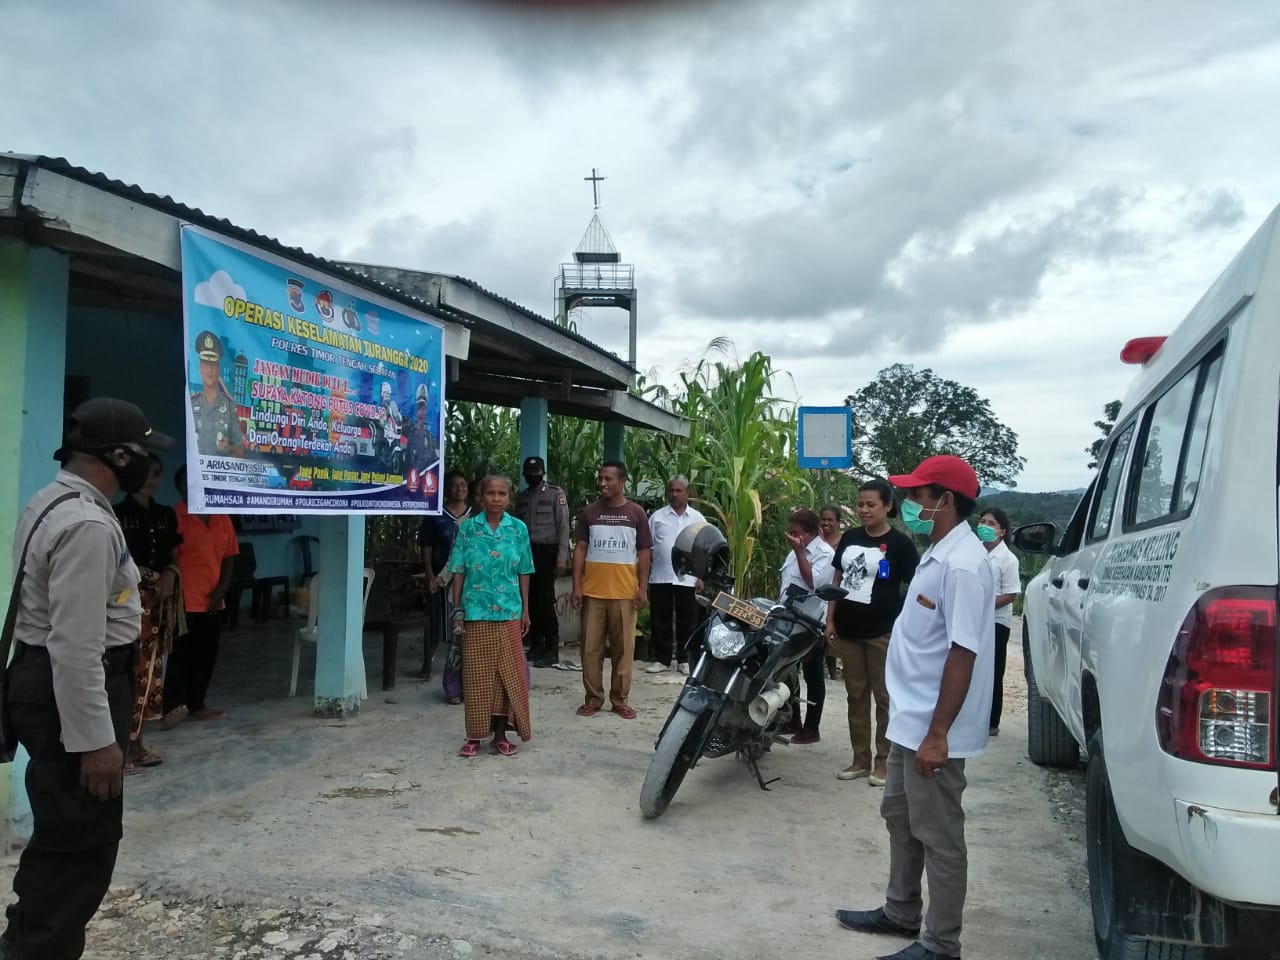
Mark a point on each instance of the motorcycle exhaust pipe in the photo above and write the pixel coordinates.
(768, 703)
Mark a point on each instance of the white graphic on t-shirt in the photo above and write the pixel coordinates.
(861, 564)
(611, 543)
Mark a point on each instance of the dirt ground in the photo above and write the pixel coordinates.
(273, 834)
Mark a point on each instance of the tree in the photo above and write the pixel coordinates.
(905, 415)
(1110, 413)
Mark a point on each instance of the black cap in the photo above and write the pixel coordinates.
(208, 346)
(534, 463)
(106, 422)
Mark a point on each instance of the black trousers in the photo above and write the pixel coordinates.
(997, 693)
(190, 669)
(65, 870)
(544, 627)
(813, 668)
(815, 688)
(666, 600)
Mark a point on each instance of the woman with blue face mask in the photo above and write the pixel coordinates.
(992, 529)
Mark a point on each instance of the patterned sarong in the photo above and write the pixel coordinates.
(495, 680)
(155, 640)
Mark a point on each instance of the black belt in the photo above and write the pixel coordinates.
(118, 659)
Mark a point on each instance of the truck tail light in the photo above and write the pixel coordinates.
(1217, 697)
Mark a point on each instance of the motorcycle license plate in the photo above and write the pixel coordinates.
(740, 610)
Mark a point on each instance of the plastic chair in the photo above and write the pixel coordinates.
(246, 578)
(309, 633)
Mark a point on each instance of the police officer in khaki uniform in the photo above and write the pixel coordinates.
(76, 616)
(545, 511)
(212, 409)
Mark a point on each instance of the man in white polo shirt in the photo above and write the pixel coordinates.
(939, 674)
(671, 595)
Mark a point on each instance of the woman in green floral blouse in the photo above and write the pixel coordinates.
(491, 563)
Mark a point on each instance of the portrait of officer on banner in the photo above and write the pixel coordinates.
(423, 452)
(213, 411)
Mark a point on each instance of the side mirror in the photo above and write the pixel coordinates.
(1035, 538)
(794, 591)
(829, 592)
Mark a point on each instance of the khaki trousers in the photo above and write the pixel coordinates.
(863, 662)
(608, 624)
(926, 837)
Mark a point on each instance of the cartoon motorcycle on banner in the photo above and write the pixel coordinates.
(387, 430)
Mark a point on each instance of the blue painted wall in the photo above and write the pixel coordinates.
(139, 357)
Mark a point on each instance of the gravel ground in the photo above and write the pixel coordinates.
(273, 835)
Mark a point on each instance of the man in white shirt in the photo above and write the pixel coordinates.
(939, 675)
(992, 528)
(670, 594)
(807, 567)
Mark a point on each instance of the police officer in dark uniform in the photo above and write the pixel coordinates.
(545, 511)
(75, 616)
(212, 409)
(423, 451)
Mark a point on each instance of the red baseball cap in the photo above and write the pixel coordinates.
(948, 472)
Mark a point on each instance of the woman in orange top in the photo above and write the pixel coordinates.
(206, 560)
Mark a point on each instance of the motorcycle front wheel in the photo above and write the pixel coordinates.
(675, 755)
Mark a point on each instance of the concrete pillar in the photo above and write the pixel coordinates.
(613, 430)
(340, 619)
(33, 328)
(533, 429)
(631, 329)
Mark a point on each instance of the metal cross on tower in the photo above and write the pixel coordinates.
(595, 187)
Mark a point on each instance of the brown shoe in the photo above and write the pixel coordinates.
(206, 713)
(807, 736)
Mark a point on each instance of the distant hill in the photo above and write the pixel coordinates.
(1032, 507)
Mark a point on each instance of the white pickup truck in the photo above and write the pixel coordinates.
(1151, 633)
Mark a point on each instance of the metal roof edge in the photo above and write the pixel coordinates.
(167, 205)
(550, 324)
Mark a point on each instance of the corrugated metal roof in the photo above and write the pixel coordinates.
(525, 311)
(166, 204)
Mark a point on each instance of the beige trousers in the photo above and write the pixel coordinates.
(611, 625)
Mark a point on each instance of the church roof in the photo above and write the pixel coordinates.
(596, 245)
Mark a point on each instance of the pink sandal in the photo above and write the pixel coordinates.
(506, 748)
(470, 749)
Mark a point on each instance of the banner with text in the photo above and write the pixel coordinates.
(305, 393)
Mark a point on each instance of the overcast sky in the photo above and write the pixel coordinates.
(1001, 191)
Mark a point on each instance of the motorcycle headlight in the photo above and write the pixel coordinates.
(725, 641)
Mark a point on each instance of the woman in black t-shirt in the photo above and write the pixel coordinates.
(435, 540)
(874, 562)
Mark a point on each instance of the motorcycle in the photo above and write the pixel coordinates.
(737, 699)
(388, 443)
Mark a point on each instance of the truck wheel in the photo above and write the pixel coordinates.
(1112, 872)
(1049, 742)
(671, 761)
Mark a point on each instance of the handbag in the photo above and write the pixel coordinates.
(8, 738)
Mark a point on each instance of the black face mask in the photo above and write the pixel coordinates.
(534, 479)
(133, 474)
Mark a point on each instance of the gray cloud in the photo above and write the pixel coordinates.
(1219, 209)
(841, 184)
